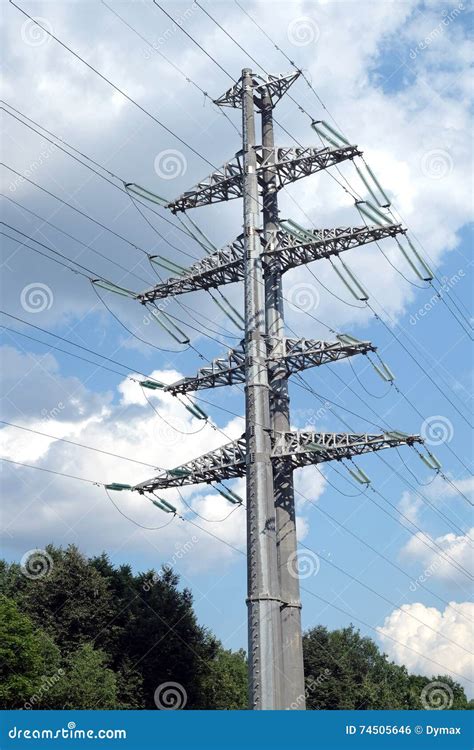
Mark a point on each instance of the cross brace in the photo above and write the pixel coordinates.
(302, 448)
(285, 164)
(274, 86)
(284, 356)
(227, 265)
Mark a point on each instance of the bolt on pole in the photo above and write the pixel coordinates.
(265, 645)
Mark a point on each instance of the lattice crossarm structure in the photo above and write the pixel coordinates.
(293, 355)
(308, 447)
(284, 355)
(226, 462)
(294, 251)
(228, 370)
(223, 267)
(287, 164)
(302, 447)
(226, 266)
(274, 86)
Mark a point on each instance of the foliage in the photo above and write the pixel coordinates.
(89, 635)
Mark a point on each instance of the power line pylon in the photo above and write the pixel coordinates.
(269, 450)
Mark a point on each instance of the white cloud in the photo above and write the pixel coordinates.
(428, 111)
(452, 623)
(40, 508)
(458, 548)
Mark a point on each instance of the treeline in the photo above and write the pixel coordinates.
(83, 634)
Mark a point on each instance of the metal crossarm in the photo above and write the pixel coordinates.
(286, 164)
(227, 462)
(223, 267)
(229, 370)
(307, 447)
(293, 251)
(274, 86)
(227, 265)
(302, 448)
(289, 355)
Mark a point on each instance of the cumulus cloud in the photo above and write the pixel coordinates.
(458, 548)
(452, 624)
(158, 433)
(392, 120)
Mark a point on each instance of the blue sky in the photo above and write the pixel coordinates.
(395, 77)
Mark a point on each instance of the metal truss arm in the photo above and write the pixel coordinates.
(285, 355)
(287, 165)
(227, 265)
(274, 86)
(302, 448)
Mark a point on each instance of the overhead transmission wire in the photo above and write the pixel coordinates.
(393, 564)
(54, 37)
(170, 62)
(79, 445)
(321, 102)
(260, 66)
(375, 314)
(98, 484)
(421, 535)
(386, 635)
(382, 596)
(117, 88)
(452, 524)
(135, 204)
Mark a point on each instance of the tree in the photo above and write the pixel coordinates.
(28, 658)
(345, 670)
(87, 683)
(71, 602)
(224, 687)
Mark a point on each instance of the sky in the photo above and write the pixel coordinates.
(391, 558)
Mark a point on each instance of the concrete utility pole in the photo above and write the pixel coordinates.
(265, 655)
(292, 644)
(269, 451)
